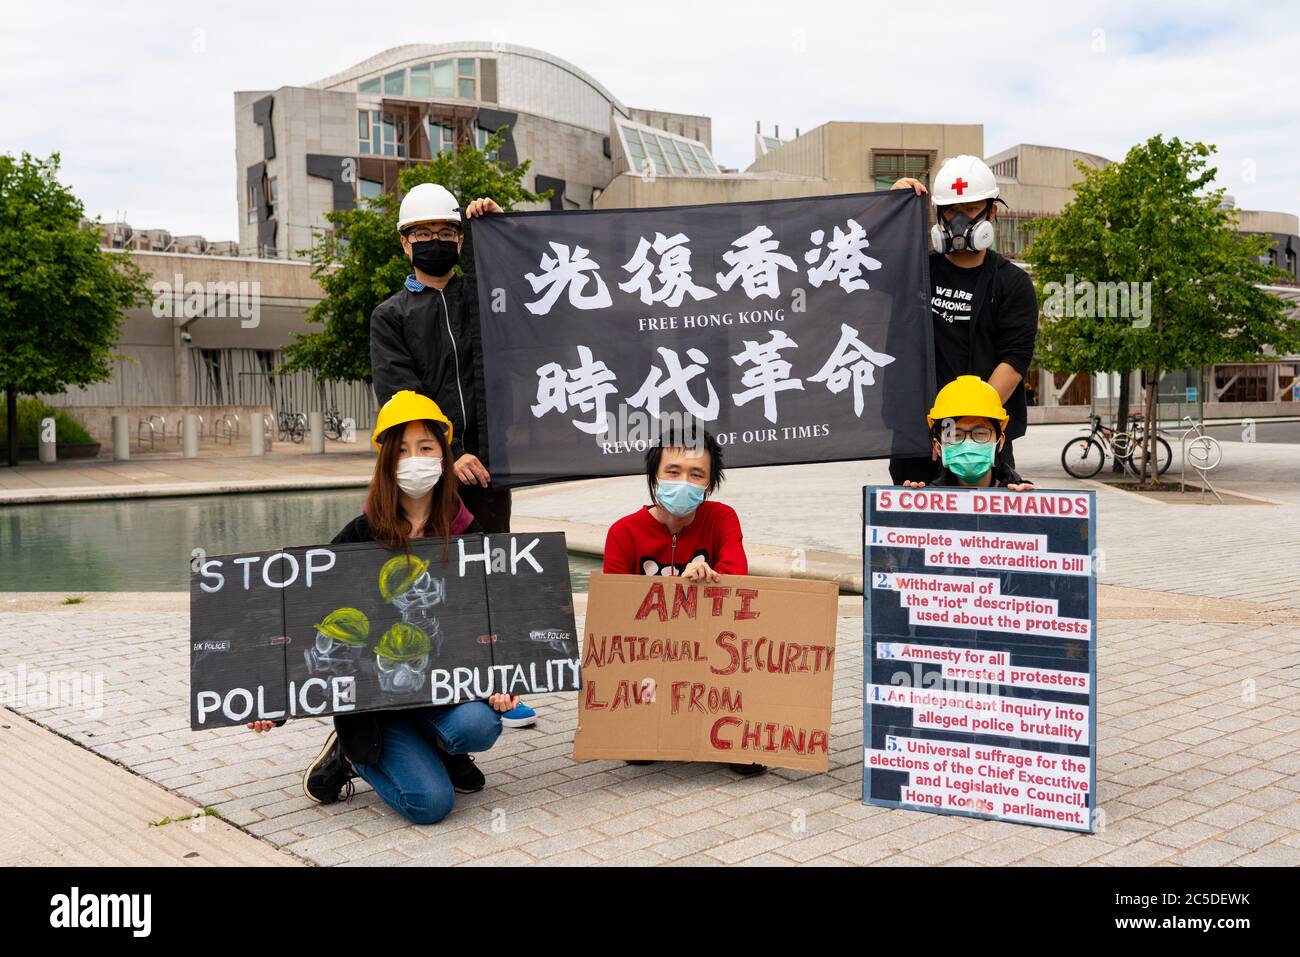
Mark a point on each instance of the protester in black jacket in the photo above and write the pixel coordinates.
(984, 306)
(426, 338)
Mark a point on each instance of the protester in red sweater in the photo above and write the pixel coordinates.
(681, 533)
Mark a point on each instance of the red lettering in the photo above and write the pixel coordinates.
(723, 641)
(684, 600)
(746, 596)
(592, 703)
(720, 743)
(654, 601)
(717, 593)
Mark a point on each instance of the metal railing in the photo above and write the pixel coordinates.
(149, 422)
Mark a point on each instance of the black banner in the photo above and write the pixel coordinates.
(795, 330)
(306, 632)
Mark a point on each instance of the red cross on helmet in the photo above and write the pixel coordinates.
(964, 179)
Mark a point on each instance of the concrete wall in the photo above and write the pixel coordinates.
(688, 125)
(629, 191)
(1266, 221)
(572, 153)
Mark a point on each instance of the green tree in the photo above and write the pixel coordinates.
(1156, 218)
(61, 296)
(360, 263)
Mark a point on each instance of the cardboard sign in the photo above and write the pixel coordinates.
(980, 627)
(739, 671)
(307, 632)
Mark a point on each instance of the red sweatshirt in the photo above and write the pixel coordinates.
(639, 544)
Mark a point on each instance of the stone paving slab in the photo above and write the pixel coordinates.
(1199, 762)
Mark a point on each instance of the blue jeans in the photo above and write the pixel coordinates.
(409, 775)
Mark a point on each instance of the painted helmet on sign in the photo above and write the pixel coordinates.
(399, 574)
(403, 642)
(348, 626)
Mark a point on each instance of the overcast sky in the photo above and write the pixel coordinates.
(138, 97)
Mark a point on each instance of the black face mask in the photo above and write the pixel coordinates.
(435, 257)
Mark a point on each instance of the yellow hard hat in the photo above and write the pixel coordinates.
(968, 395)
(407, 406)
(398, 575)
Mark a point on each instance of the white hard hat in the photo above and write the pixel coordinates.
(963, 179)
(428, 203)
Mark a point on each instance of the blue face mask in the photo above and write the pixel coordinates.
(969, 460)
(679, 498)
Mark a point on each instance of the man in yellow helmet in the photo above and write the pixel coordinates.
(967, 431)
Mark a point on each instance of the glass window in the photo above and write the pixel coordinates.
(481, 137)
(465, 88)
(688, 157)
(706, 161)
(635, 151)
(376, 137)
(363, 124)
(390, 139)
(444, 78)
(670, 151)
(422, 80)
(395, 83)
(467, 67)
(369, 188)
(655, 153)
(274, 188)
(369, 86)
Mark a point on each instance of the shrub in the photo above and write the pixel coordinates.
(31, 410)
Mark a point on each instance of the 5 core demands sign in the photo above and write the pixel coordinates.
(981, 656)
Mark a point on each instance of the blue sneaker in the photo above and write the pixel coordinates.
(520, 716)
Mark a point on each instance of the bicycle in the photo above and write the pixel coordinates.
(333, 424)
(1084, 457)
(292, 425)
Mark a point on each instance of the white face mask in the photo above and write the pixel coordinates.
(418, 474)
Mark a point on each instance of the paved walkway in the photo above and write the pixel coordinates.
(1199, 762)
(1198, 726)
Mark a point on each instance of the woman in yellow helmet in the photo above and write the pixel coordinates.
(967, 431)
(416, 759)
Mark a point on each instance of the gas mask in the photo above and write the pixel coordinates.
(401, 675)
(333, 656)
(962, 233)
(424, 594)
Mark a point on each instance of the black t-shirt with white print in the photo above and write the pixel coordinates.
(952, 304)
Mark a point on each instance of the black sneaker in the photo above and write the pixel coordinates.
(748, 770)
(465, 776)
(329, 778)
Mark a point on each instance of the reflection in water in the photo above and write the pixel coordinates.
(146, 544)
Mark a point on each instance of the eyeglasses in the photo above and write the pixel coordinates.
(424, 234)
(954, 435)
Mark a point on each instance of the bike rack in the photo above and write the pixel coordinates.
(226, 428)
(139, 430)
(1208, 442)
(180, 428)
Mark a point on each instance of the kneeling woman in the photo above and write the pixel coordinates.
(680, 532)
(415, 759)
